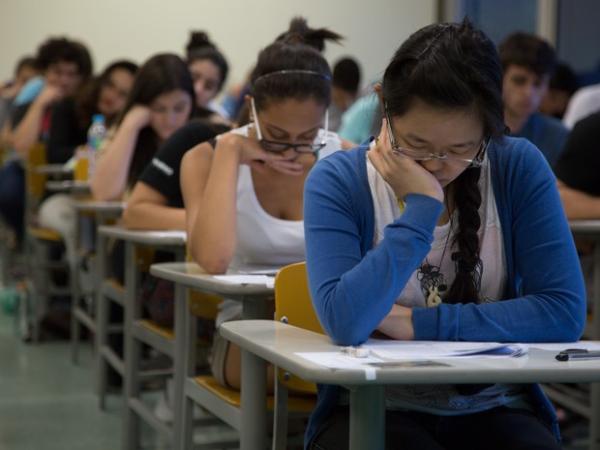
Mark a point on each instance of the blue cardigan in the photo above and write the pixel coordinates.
(354, 285)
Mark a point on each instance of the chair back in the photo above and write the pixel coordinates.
(293, 305)
(35, 183)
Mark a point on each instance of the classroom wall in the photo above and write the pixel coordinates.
(579, 34)
(138, 28)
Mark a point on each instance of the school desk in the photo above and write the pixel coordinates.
(279, 343)
(255, 300)
(137, 331)
(100, 213)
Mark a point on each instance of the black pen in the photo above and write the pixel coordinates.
(577, 355)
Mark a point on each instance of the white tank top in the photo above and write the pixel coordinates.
(265, 241)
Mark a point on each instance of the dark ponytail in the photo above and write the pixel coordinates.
(200, 48)
(300, 33)
(453, 66)
(293, 67)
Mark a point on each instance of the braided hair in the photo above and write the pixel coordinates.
(453, 66)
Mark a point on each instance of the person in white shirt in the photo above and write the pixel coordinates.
(243, 192)
(584, 102)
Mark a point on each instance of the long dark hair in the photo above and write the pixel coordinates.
(297, 50)
(453, 66)
(161, 74)
(86, 103)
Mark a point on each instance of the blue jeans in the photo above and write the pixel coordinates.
(12, 196)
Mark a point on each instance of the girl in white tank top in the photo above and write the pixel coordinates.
(244, 197)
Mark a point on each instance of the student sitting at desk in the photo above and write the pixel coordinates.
(161, 101)
(442, 228)
(65, 65)
(209, 69)
(528, 62)
(243, 192)
(72, 117)
(156, 201)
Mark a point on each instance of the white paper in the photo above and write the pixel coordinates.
(269, 271)
(258, 280)
(338, 360)
(428, 350)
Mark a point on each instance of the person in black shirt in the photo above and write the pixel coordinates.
(577, 170)
(156, 201)
(72, 117)
(65, 65)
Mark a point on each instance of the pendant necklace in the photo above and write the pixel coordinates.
(431, 279)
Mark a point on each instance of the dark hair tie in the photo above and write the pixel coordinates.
(293, 72)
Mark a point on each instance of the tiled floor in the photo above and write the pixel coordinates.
(48, 403)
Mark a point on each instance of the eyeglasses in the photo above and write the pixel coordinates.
(424, 155)
(278, 147)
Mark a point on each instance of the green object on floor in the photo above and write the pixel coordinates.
(8, 299)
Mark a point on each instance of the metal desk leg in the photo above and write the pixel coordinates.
(254, 408)
(189, 371)
(131, 422)
(101, 338)
(367, 417)
(253, 434)
(75, 293)
(178, 364)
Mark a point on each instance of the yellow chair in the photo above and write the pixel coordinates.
(293, 306)
(36, 182)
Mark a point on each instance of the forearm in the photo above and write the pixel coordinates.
(151, 216)
(578, 205)
(110, 175)
(213, 235)
(557, 317)
(6, 135)
(27, 132)
(398, 323)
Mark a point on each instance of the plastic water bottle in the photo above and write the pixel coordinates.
(95, 137)
(96, 132)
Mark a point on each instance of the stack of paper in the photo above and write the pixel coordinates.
(411, 350)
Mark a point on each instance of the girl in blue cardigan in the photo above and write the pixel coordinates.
(442, 228)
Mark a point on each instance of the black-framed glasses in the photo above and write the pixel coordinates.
(278, 147)
(425, 155)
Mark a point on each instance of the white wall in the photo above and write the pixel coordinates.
(138, 28)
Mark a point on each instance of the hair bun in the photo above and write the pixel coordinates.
(198, 40)
(300, 33)
(299, 25)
